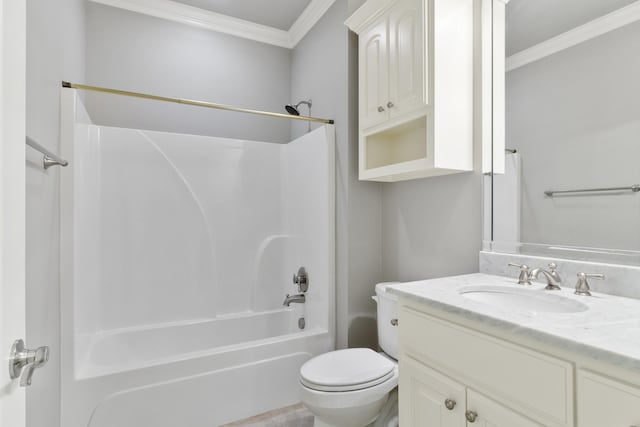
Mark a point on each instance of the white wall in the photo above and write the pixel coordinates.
(323, 69)
(55, 51)
(131, 51)
(585, 135)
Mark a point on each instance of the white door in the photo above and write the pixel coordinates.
(428, 398)
(12, 203)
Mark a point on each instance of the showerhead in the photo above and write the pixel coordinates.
(293, 109)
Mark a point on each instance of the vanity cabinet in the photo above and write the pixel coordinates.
(457, 372)
(606, 402)
(416, 72)
(505, 385)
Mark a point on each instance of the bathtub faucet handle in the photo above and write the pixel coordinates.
(302, 280)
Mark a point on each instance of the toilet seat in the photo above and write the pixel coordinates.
(346, 370)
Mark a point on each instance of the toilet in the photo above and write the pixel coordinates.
(349, 388)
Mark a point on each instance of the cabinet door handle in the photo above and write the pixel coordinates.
(389, 104)
(450, 404)
(471, 416)
(380, 109)
(394, 322)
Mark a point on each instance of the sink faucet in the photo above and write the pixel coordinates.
(298, 298)
(552, 276)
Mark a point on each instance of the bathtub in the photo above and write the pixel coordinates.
(171, 313)
(201, 373)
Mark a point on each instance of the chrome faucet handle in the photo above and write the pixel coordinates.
(302, 280)
(524, 277)
(582, 287)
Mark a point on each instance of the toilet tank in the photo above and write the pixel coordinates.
(387, 316)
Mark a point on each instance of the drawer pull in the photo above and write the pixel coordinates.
(471, 416)
(394, 322)
(450, 404)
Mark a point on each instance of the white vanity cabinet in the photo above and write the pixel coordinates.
(603, 401)
(456, 372)
(503, 384)
(416, 98)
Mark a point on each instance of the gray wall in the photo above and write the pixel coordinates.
(431, 227)
(575, 119)
(324, 68)
(55, 51)
(131, 51)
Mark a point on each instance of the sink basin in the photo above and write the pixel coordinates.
(516, 299)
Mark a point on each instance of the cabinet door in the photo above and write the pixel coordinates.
(407, 68)
(605, 402)
(491, 414)
(425, 394)
(374, 76)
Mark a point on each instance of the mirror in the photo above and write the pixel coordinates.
(572, 124)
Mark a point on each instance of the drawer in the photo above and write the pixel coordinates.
(606, 402)
(535, 384)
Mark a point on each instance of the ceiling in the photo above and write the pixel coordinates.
(279, 14)
(530, 22)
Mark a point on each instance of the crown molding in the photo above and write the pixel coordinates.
(307, 19)
(612, 21)
(196, 17)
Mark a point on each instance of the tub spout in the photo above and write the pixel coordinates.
(298, 298)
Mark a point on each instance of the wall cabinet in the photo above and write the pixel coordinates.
(416, 71)
(453, 375)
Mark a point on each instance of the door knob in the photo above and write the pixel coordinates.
(22, 362)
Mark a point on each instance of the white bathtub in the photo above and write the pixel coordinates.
(203, 373)
(135, 348)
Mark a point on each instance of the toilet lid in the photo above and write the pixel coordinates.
(346, 370)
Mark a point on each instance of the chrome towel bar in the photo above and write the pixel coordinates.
(49, 158)
(633, 188)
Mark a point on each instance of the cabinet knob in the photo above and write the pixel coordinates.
(450, 404)
(389, 104)
(471, 416)
(380, 109)
(394, 322)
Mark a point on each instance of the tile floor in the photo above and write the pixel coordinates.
(290, 416)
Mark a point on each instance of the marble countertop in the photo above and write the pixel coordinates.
(608, 331)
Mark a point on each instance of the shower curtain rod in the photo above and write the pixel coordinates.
(192, 102)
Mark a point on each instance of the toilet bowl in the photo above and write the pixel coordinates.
(349, 388)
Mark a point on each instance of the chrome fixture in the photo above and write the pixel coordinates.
(294, 111)
(23, 362)
(298, 298)
(633, 188)
(524, 278)
(302, 280)
(192, 102)
(301, 323)
(49, 158)
(582, 287)
(552, 276)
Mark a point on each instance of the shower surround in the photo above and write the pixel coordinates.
(177, 252)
